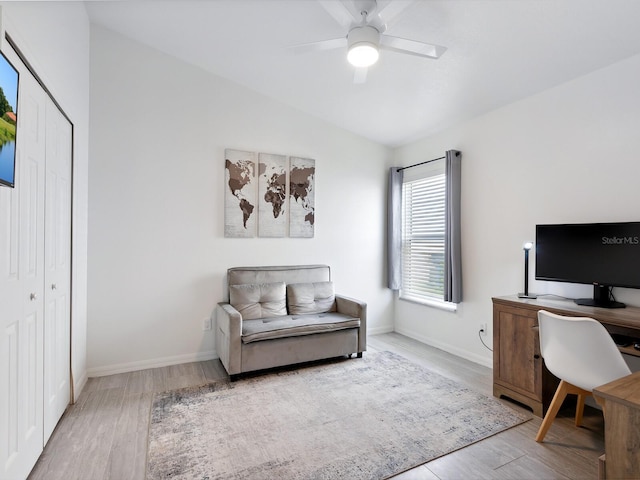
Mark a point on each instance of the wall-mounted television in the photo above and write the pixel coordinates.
(8, 121)
(604, 255)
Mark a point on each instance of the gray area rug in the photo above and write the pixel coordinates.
(367, 418)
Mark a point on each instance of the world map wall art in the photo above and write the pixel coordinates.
(268, 195)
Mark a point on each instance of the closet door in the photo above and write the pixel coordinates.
(21, 287)
(57, 282)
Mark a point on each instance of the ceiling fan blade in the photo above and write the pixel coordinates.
(339, 12)
(393, 8)
(320, 46)
(360, 75)
(411, 47)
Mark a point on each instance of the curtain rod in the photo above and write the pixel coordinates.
(421, 163)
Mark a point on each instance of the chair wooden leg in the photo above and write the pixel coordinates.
(554, 407)
(580, 409)
(582, 395)
(563, 390)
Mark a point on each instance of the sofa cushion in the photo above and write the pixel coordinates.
(295, 325)
(303, 298)
(259, 300)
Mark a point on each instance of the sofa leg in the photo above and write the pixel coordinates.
(235, 377)
(359, 354)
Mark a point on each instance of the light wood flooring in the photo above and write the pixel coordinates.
(104, 435)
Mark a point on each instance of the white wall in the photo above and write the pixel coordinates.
(157, 255)
(55, 40)
(157, 252)
(569, 154)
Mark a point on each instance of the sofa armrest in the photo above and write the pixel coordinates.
(355, 308)
(228, 337)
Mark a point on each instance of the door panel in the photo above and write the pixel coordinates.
(10, 313)
(31, 268)
(57, 283)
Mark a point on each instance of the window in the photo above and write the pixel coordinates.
(423, 235)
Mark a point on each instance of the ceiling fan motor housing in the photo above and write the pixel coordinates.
(365, 34)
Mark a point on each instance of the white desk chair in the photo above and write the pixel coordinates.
(581, 353)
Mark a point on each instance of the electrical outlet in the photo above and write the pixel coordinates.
(206, 324)
(483, 329)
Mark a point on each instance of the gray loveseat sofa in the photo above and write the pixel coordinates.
(284, 315)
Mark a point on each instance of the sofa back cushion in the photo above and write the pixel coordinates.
(260, 300)
(286, 273)
(312, 297)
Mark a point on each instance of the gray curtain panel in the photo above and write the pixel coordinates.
(452, 249)
(394, 229)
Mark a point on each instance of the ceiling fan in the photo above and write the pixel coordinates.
(366, 23)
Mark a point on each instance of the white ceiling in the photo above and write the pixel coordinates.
(499, 51)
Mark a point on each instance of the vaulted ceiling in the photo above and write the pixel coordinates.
(498, 51)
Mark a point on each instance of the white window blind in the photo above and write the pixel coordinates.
(423, 238)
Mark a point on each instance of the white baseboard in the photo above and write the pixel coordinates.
(153, 363)
(380, 330)
(486, 362)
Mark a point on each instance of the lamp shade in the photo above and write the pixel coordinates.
(363, 55)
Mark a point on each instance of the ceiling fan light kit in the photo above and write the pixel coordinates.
(367, 34)
(363, 46)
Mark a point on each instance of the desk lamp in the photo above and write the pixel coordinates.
(526, 247)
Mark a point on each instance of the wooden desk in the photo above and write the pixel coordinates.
(620, 401)
(519, 372)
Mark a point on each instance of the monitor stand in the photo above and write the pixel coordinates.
(601, 298)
